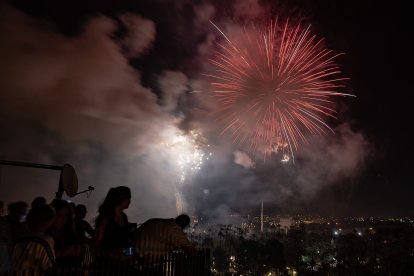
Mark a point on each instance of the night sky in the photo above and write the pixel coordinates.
(93, 84)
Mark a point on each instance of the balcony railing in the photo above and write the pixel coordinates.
(174, 263)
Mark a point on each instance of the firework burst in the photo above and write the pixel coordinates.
(187, 152)
(273, 86)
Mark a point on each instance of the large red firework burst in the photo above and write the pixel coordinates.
(274, 86)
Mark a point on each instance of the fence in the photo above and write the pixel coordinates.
(174, 263)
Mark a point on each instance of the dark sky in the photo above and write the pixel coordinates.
(373, 128)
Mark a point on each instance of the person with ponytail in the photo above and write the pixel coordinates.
(113, 231)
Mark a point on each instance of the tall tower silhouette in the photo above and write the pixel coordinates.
(261, 219)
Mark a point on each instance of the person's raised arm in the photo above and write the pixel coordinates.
(180, 239)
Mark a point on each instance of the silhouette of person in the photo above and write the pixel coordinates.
(83, 228)
(67, 244)
(38, 201)
(72, 206)
(12, 229)
(37, 249)
(1, 208)
(158, 236)
(16, 216)
(113, 232)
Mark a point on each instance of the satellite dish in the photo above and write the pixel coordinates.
(69, 180)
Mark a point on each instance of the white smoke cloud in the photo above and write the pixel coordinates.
(173, 84)
(248, 9)
(243, 159)
(329, 159)
(204, 13)
(324, 162)
(77, 100)
(140, 34)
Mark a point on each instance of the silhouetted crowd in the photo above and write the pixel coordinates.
(46, 235)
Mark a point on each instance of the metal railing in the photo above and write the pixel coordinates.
(175, 263)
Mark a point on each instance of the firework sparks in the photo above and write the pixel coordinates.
(188, 152)
(273, 86)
